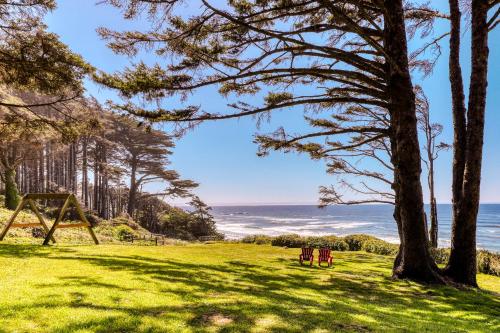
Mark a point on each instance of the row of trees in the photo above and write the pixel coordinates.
(34, 60)
(53, 139)
(348, 64)
(106, 161)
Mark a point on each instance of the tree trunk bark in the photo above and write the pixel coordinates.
(133, 190)
(85, 175)
(414, 259)
(462, 264)
(95, 200)
(11, 192)
(433, 232)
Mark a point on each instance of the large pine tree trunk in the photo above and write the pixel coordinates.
(95, 199)
(85, 175)
(133, 190)
(414, 260)
(103, 195)
(462, 264)
(11, 192)
(458, 107)
(41, 171)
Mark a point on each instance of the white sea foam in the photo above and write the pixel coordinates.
(341, 221)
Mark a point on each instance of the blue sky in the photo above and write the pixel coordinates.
(221, 155)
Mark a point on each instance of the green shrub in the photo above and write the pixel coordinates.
(294, 241)
(181, 224)
(440, 255)
(289, 240)
(333, 242)
(249, 239)
(257, 239)
(379, 246)
(263, 239)
(124, 232)
(488, 262)
(72, 214)
(356, 242)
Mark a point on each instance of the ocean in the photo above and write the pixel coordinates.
(237, 221)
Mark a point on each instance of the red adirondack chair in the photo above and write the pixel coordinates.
(307, 255)
(325, 256)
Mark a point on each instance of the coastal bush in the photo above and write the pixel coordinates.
(257, 239)
(488, 262)
(333, 242)
(72, 214)
(356, 242)
(185, 225)
(124, 232)
(379, 246)
(440, 255)
(262, 239)
(249, 239)
(289, 240)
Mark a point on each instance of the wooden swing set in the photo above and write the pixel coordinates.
(68, 198)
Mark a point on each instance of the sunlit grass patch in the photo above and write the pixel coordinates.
(224, 287)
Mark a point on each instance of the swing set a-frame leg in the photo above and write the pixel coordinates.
(12, 218)
(84, 219)
(59, 219)
(40, 218)
(70, 200)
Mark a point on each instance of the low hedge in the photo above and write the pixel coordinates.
(488, 262)
(257, 239)
(440, 255)
(379, 246)
(333, 242)
(356, 242)
(289, 240)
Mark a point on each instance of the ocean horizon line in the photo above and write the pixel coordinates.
(316, 204)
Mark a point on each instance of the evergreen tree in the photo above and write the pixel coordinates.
(344, 55)
(468, 124)
(21, 135)
(32, 58)
(144, 153)
(431, 148)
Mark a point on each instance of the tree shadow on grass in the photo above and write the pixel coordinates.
(28, 250)
(273, 294)
(239, 296)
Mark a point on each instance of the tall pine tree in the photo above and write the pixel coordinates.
(340, 54)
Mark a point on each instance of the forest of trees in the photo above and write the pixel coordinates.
(353, 61)
(104, 158)
(54, 138)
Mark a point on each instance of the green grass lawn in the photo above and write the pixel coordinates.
(225, 288)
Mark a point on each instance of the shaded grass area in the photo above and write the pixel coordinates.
(225, 287)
